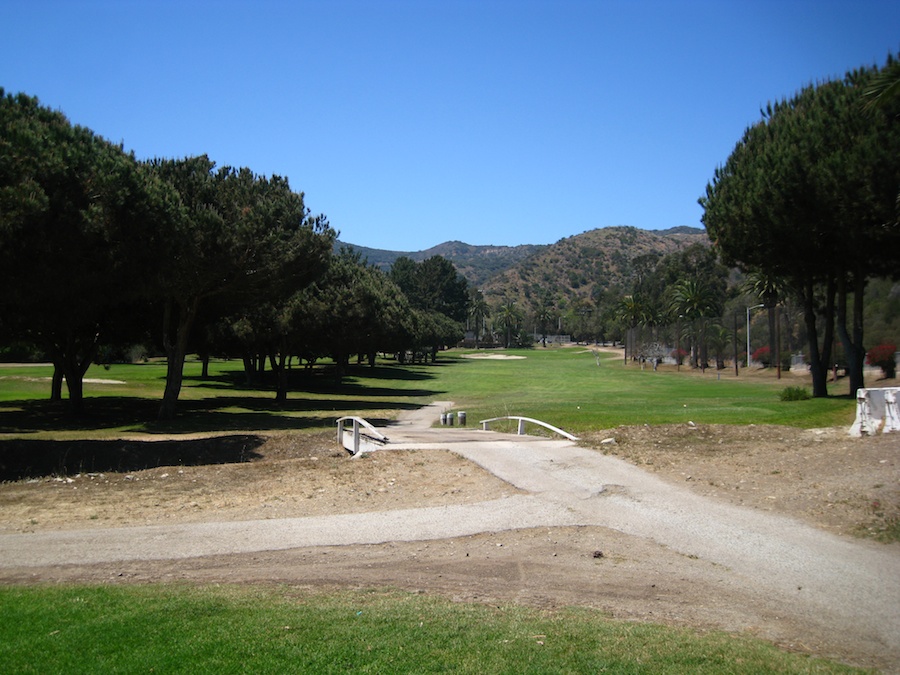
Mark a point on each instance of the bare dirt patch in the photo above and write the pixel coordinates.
(823, 477)
(281, 476)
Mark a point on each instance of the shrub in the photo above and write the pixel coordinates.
(763, 356)
(679, 355)
(883, 357)
(794, 394)
(786, 360)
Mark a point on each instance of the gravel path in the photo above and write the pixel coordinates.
(852, 586)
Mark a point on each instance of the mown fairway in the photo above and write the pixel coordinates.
(567, 388)
(564, 387)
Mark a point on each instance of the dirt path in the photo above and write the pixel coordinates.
(576, 526)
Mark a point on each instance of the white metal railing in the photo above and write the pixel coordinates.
(371, 433)
(523, 420)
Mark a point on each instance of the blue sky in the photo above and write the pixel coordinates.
(414, 122)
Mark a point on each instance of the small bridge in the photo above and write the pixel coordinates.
(364, 436)
(523, 420)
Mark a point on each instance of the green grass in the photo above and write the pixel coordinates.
(568, 389)
(564, 387)
(185, 629)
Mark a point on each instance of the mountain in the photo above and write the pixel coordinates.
(477, 264)
(580, 266)
(586, 265)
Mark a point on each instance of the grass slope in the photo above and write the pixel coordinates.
(181, 629)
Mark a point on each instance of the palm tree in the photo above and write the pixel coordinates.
(694, 300)
(718, 337)
(633, 313)
(478, 312)
(509, 316)
(770, 290)
(544, 316)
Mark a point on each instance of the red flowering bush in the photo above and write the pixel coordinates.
(763, 355)
(883, 357)
(678, 355)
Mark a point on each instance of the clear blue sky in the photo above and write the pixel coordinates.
(413, 122)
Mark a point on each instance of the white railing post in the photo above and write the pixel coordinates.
(355, 436)
(521, 427)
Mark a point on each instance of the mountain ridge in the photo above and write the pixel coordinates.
(574, 266)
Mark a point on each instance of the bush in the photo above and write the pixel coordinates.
(794, 394)
(786, 360)
(679, 355)
(21, 352)
(884, 357)
(763, 356)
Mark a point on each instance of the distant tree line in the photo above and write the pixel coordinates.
(99, 250)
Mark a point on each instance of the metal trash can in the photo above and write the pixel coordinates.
(462, 418)
(443, 419)
(450, 417)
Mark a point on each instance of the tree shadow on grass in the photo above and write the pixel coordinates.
(239, 413)
(319, 380)
(32, 458)
(211, 414)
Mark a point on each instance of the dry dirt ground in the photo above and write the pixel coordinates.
(845, 485)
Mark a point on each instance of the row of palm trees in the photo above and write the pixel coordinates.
(688, 316)
(507, 318)
(691, 318)
(690, 307)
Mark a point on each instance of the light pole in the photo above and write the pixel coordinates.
(748, 330)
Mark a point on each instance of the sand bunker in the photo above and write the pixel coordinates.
(497, 357)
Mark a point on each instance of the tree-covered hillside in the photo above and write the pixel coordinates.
(477, 264)
(586, 266)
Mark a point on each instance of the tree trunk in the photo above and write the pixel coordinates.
(852, 338)
(340, 364)
(773, 347)
(71, 361)
(249, 369)
(704, 350)
(56, 383)
(204, 360)
(281, 380)
(75, 386)
(819, 359)
(778, 346)
(175, 345)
